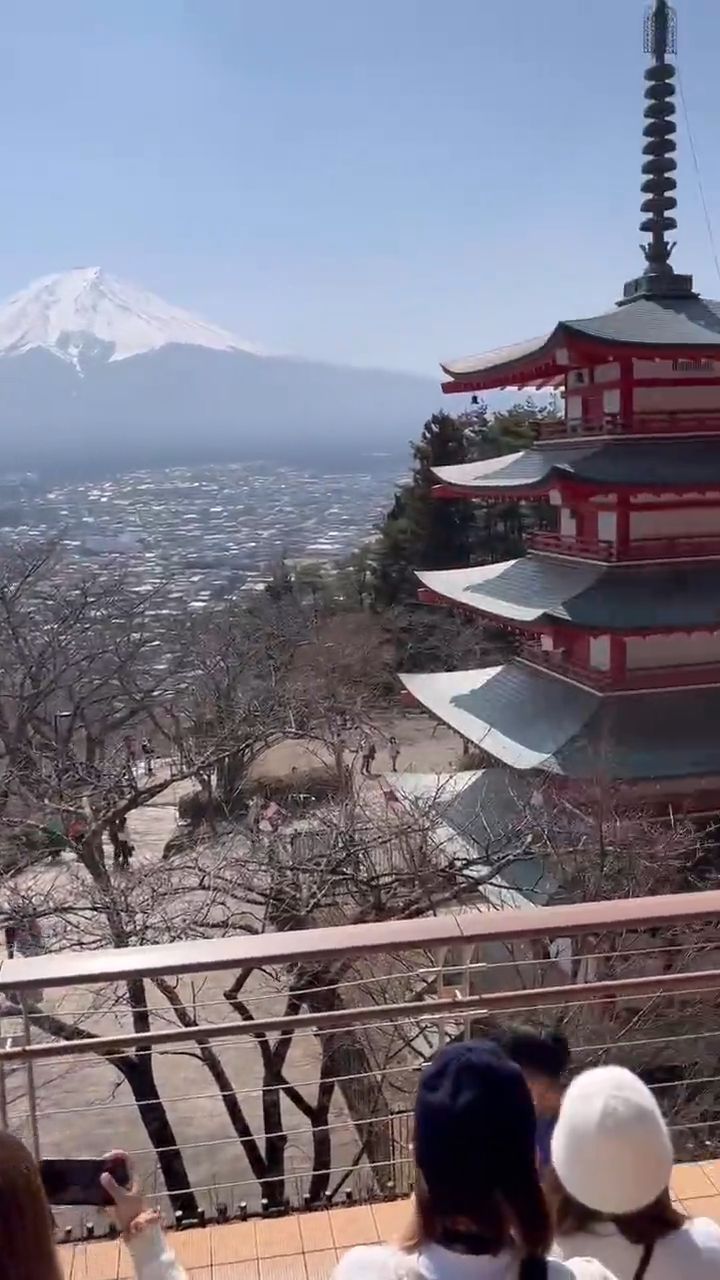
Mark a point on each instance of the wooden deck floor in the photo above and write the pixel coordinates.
(305, 1246)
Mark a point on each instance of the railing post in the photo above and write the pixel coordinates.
(30, 1079)
(465, 990)
(440, 992)
(3, 1087)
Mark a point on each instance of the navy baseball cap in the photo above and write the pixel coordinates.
(474, 1126)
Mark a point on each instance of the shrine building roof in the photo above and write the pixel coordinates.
(530, 719)
(605, 598)
(645, 327)
(673, 463)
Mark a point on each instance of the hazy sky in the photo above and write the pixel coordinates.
(376, 181)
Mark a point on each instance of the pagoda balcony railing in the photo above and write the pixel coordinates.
(633, 679)
(641, 424)
(583, 548)
(638, 977)
(638, 550)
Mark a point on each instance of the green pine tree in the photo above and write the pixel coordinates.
(424, 532)
(420, 531)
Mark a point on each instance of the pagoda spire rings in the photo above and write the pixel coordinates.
(659, 185)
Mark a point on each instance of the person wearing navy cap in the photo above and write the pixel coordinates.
(478, 1212)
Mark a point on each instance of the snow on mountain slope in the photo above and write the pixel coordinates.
(73, 313)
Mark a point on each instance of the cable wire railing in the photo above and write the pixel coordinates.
(254, 1074)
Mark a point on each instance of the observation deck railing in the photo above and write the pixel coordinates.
(285, 1064)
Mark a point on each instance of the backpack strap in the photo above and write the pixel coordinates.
(644, 1261)
(534, 1269)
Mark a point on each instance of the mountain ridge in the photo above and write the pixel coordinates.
(85, 302)
(90, 365)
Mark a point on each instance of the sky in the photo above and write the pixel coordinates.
(375, 182)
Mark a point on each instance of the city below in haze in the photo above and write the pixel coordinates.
(205, 530)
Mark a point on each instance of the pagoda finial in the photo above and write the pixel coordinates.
(659, 164)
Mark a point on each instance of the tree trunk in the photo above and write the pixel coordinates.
(362, 1090)
(321, 1135)
(230, 772)
(140, 1075)
(273, 1187)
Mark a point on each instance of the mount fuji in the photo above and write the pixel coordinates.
(98, 371)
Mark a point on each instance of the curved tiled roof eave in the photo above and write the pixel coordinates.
(504, 360)
(638, 462)
(621, 598)
(687, 323)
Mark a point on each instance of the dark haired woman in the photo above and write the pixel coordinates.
(609, 1184)
(478, 1212)
(544, 1058)
(27, 1244)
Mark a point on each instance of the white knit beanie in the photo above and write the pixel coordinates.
(611, 1148)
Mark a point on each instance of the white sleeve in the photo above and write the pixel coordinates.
(152, 1256)
(588, 1269)
(376, 1262)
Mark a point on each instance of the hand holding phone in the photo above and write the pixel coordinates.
(127, 1200)
(81, 1182)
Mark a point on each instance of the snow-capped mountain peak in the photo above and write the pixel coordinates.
(73, 313)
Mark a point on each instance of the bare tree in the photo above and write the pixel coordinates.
(232, 684)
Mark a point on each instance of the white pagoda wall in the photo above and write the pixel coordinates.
(568, 523)
(600, 653)
(679, 522)
(669, 395)
(665, 399)
(672, 650)
(607, 526)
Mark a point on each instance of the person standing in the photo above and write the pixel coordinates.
(478, 1212)
(393, 752)
(368, 755)
(148, 756)
(122, 845)
(544, 1058)
(609, 1184)
(27, 1246)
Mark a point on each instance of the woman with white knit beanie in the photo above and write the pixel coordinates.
(608, 1187)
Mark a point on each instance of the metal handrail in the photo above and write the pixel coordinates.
(694, 982)
(70, 967)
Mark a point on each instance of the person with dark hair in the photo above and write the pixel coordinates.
(608, 1187)
(544, 1058)
(478, 1212)
(27, 1244)
(149, 756)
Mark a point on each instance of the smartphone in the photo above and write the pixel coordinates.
(78, 1181)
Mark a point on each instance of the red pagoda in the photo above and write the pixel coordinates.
(619, 609)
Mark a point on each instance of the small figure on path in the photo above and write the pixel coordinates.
(148, 756)
(369, 751)
(122, 845)
(394, 752)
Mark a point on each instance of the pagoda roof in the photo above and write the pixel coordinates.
(634, 463)
(598, 597)
(483, 814)
(530, 719)
(645, 326)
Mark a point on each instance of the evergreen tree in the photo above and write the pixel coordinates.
(419, 531)
(281, 582)
(423, 532)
